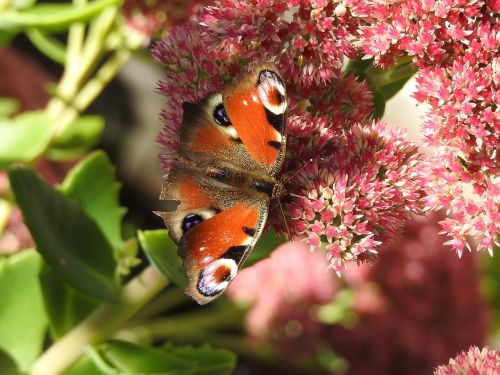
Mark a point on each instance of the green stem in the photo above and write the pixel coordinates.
(49, 46)
(184, 325)
(101, 324)
(168, 300)
(91, 90)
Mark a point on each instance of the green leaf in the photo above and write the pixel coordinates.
(209, 361)
(69, 240)
(54, 17)
(264, 247)
(162, 253)
(8, 106)
(24, 138)
(389, 81)
(92, 185)
(65, 306)
(379, 103)
(22, 319)
(84, 366)
(124, 357)
(80, 136)
(7, 365)
(5, 38)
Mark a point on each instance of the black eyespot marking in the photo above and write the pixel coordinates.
(220, 116)
(263, 186)
(275, 120)
(249, 231)
(190, 221)
(275, 144)
(235, 253)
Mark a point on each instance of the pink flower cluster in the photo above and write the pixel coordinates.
(351, 182)
(307, 39)
(357, 196)
(484, 361)
(456, 46)
(412, 310)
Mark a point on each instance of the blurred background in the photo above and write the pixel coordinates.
(415, 308)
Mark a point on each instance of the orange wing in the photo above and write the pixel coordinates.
(213, 250)
(215, 226)
(256, 107)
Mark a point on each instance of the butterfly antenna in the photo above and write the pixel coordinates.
(297, 171)
(284, 218)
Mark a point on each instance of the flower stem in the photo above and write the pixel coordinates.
(101, 324)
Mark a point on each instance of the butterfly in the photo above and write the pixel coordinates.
(234, 142)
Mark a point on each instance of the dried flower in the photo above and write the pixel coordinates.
(484, 361)
(154, 16)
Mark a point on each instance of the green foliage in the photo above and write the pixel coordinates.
(7, 365)
(80, 136)
(124, 357)
(93, 186)
(8, 107)
(24, 138)
(53, 17)
(162, 252)
(69, 240)
(22, 318)
(65, 306)
(384, 83)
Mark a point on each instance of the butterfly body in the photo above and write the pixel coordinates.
(234, 143)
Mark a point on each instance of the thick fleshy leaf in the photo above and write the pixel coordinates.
(79, 137)
(22, 318)
(65, 306)
(55, 17)
(69, 240)
(125, 357)
(92, 184)
(7, 364)
(23, 138)
(162, 253)
(83, 367)
(8, 107)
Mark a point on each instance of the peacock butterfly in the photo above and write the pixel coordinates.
(234, 142)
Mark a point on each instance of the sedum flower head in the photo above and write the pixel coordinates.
(456, 46)
(484, 361)
(358, 195)
(308, 39)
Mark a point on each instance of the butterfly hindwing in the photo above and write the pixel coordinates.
(215, 227)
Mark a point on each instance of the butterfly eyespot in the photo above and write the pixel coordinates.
(215, 278)
(220, 116)
(190, 221)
